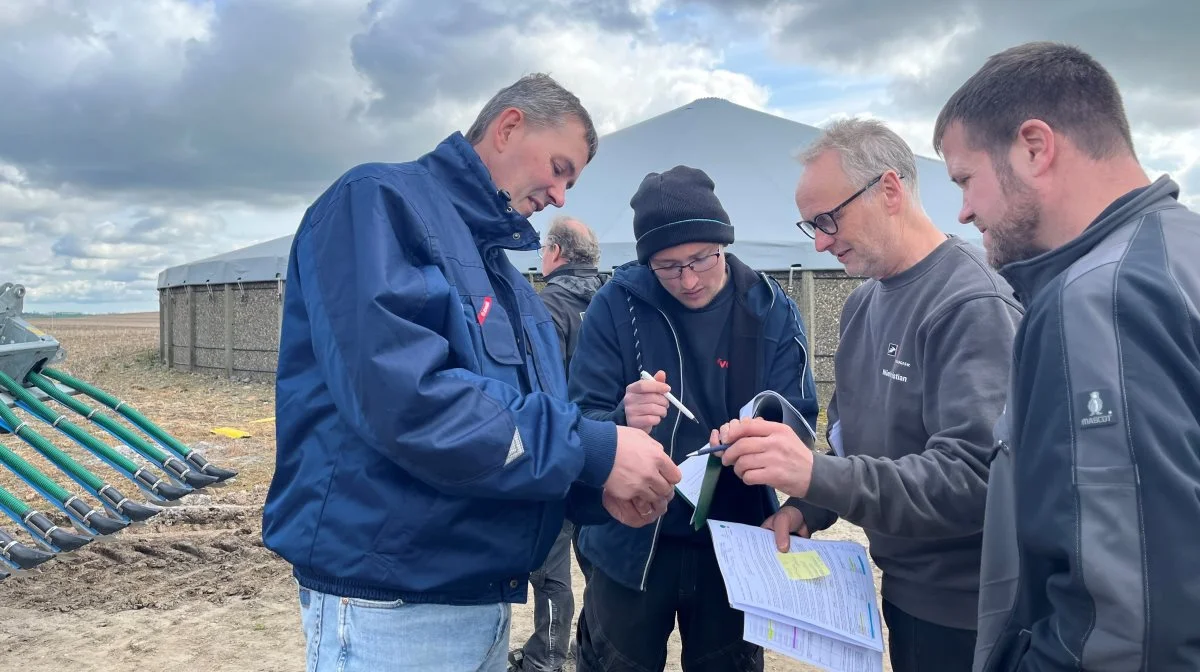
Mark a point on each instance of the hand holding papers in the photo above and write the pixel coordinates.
(706, 468)
(828, 617)
(778, 452)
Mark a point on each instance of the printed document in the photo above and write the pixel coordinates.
(692, 470)
(810, 647)
(835, 439)
(831, 620)
(771, 405)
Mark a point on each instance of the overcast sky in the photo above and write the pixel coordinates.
(140, 134)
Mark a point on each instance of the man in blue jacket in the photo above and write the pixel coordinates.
(426, 448)
(1089, 541)
(714, 333)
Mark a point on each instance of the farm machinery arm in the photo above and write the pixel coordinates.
(29, 385)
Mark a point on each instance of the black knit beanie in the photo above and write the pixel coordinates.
(677, 207)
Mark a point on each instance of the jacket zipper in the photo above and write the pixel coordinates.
(671, 451)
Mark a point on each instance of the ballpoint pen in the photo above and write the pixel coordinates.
(671, 398)
(707, 450)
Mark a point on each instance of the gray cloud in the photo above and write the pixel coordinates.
(139, 135)
(258, 101)
(265, 98)
(1148, 49)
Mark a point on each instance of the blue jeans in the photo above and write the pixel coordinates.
(350, 635)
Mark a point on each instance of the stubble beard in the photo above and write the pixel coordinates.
(1014, 237)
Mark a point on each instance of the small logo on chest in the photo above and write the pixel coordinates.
(481, 316)
(1094, 410)
(723, 363)
(893, 352)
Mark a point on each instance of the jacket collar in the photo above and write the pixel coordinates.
(577, 270)
(1030, 276)
(642, 283)
(481, 204)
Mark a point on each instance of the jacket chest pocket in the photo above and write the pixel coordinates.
(492, 335)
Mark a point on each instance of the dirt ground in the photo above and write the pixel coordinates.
(193, 586)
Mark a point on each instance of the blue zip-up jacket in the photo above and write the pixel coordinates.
(768, 351)
(1089, 543)
(425, 442)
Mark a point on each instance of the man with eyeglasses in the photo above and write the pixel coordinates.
(921, 376)
(714, 333)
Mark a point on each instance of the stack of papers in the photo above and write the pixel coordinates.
(815, 603)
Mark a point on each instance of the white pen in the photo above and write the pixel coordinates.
(671, 398)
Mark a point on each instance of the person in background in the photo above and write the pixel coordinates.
(921, 375)
(426, 449)
(714, 333)
(1089, 539)
(570, 255)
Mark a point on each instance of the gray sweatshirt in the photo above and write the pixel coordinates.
(921, 373)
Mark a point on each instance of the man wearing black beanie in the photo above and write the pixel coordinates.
(714, 333)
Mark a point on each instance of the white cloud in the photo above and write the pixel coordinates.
(140, 134)
(147, 134)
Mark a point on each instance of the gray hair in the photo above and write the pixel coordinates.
(578, 245)
(543, 101)
(867, 148)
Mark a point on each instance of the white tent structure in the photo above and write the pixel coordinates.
(750, 157)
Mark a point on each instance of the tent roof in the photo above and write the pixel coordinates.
(264, 261)
(749, 155)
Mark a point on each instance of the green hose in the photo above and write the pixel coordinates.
(31, 473)
(59, 458)
(121, 407)
(136, 442)
(66, 427)
(10, 502)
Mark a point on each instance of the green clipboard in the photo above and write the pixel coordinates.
(712, 471)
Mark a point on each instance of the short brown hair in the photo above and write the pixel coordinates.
(544, 102)
(1056, 83)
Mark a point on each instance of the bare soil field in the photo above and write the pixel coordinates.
(193, 587)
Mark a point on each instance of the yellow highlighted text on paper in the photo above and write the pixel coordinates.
(804, 565)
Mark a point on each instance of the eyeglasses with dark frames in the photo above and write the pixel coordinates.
(698, 266)
(826, 222)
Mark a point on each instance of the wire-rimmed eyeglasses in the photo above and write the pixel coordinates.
(826, 222)
(698, 266)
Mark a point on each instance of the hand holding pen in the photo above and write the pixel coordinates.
(646, 402)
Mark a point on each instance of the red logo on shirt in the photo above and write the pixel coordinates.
(723, 363)
(483, 312)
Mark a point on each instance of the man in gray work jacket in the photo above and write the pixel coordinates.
(921, 370)
(1090, 540)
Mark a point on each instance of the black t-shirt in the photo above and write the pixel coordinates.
(704, 336)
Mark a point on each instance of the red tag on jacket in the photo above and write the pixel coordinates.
(483, 312)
